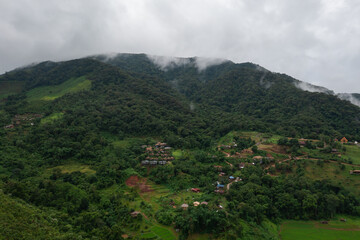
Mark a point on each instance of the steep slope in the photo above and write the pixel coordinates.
(142, 95)
(19, 220)
(273, 101)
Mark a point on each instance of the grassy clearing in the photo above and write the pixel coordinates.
(163, 233)
(333, 172)
(228, 138)
(10, 87)
(51, 118)
(177, 154)
(353, 152)
(74, 167)
(273, 139)
(124, 143)
(49, 93)
(335, 230)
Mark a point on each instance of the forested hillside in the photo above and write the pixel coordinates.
(82, 152)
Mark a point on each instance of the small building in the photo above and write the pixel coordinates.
(258, 159)
(162, 162)
(135, 214)
(324, 222)
(222, 174)
(160, 145)
(220, 191)
(357, 172)
(145, 162)
(9, 126)
(334, 150)
(196, 190)
(342, 219)
(220, 186)
(344, 140)
(241, 165)
(196, 204)
(204, 203)
(153, 162)
(231, 178)
(184, 206)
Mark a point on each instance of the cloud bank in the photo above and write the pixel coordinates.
(200, 63)
(314, 41)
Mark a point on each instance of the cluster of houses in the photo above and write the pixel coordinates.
(196, 204)
(356, 172)
(23, 119)
(159, 154)
(233, 145)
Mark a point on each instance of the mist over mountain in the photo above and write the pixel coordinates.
(246, 95)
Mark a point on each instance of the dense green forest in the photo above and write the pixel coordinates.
(73, 133)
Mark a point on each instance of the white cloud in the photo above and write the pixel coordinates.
(315, 41)
(168, 62)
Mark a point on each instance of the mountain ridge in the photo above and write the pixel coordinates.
(269, 101)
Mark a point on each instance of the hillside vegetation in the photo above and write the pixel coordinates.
(122, 148)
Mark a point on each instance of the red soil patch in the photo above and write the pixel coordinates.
(273, 148)
(140, 183)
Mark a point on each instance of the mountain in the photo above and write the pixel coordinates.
(167, 94)
(82, 150)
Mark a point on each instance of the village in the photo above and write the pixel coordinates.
(264, 154)
(159, 154)
(23, 120)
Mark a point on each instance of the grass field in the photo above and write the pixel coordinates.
(353, 152)
(51, 118)
(74, 167)
(163, 233)
(333, 172)
(49, 93)
(177, 154)
(8, 88)
(314, 230)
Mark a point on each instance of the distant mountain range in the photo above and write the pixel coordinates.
(172, 63)
(181, 96)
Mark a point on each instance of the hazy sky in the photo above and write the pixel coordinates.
(317, 41)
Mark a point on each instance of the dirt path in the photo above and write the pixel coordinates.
(273, 165)
(229, 184)
(229, 164)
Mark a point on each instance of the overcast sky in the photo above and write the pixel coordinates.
(317, 41)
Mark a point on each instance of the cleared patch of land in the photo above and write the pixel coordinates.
(75, 167)
(334, 230)
(353, 153)
(49, 93)
(51, 118)
(10, 87)
(334, 172)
